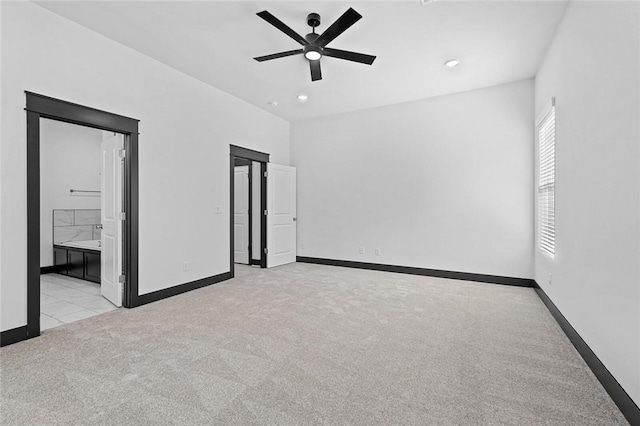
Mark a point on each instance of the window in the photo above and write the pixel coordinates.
(547, 182)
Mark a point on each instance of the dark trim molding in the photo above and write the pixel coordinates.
(617, 393)
(237, 161)
(263, 217)
(14, 335)
(131, 224)
(249, 154)
(492, 279)
(40, 106)
(263, 159)
(33, 223)
(232, 184)
(255, 262)
(51, 269)
(182, 288)
(60, 110)
(242, 162)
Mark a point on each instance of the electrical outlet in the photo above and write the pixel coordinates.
(361, 250)
(377, 251)
(303, 246)
(185, 266)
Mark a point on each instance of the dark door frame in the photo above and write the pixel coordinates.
(40, 106)
(238, 161)
(263, 159)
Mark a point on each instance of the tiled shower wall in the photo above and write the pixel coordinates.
(76, 225)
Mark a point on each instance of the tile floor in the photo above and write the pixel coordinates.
(66, 299)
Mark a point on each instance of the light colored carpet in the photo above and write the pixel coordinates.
(309, 344)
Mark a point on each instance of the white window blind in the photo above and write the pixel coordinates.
(547, 183)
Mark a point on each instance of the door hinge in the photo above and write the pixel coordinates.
(266, 212)
(122, 153)
(121, 279)
(123, 216)
(266, 174)
(266, 251)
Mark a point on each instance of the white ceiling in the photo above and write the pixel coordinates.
(215, 41)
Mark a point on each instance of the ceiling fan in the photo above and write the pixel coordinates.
(314, 45)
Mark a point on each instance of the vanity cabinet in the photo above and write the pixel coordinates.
(60, 260)
(77, 262)
(92, 266)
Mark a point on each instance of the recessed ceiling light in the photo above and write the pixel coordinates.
(272, 103)
(302, 97)
(452, 63)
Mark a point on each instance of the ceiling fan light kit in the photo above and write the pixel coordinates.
(312, 53)
(314, 45)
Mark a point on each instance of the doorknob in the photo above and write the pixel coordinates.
(99, 226)
(294, 219)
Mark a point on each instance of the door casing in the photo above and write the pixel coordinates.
(40, 106)
(263, 159)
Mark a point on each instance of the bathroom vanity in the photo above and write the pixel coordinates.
(79, 259)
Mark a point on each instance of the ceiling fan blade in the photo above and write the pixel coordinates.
(278, 55)
(349, 56)
(347, 19)
(316, 74)
(282, 27)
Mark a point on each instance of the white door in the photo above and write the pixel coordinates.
(281, 215)
(241, 214)
(111, 207)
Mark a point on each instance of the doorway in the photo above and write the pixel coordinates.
(80, 244)
(243, 212)
(43, 107)
(249, 230)
(276, 216)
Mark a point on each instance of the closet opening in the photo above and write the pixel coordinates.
(248, 228)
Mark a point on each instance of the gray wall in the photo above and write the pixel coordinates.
(442, 183)
(593, 70)
(69, 159)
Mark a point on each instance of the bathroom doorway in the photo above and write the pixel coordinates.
(81, 192)
(106, 251)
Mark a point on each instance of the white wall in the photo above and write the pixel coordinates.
(443, 183)
(593, 70)
(185, 131)
(2, 203)
(69, 158)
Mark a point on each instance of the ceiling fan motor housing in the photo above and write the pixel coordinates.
(313, 19)
(311, 37)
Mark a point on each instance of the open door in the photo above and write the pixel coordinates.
(241, 214)
(281, 215)
(111, 208)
